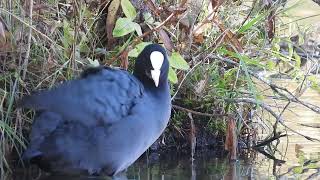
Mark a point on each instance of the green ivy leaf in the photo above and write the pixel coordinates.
(128, 9)
(137, 28)
(177, 61)
(123, 27)
(138, 49)
(172, 76)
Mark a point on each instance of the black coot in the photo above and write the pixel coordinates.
(103, 121)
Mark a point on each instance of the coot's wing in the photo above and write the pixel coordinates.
(100, 96)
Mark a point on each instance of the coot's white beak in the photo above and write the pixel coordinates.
(155, 74)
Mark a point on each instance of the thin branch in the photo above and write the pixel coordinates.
(269, 109)
(197, 113)
(26, 58)
(139, 38)
(30, 26)
(290, 97)
(269, 140)
(184, 78)
(275, 126)
(262, 151)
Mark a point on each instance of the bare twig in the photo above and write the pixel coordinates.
(277, 161)
(269, 140)
(139, 38)
(269, 109)
(291, 97)
(30, 26)
(197, 113)
(184, 78)
(275, 126)
(259, 103)
(193, 138)
(26, 58)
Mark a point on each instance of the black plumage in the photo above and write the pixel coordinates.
(103, 121)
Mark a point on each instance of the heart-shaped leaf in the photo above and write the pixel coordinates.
(128, 9)
(123, 27)
(177, 61)
(137, 27)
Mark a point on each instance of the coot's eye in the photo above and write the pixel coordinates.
(148, 73)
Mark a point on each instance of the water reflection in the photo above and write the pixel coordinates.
(296, 150)
(166, 167)
(53, 177)
(206, 166)
(60, 177)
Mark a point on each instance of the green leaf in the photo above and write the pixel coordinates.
(298, 170)
(128, 9)
(177, 61)
(252, 61)
(137, 28)
(67, 39)
(297, 59)
(300, 39)
(275, 44)
(271, 65)
(251, 23)
(172, 76)
(290, 46)
(312, 165)
(123, 27)
(138, 49)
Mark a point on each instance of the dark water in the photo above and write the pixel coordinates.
(180, 167)
(164, 167)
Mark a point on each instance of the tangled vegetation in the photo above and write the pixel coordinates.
(220, 53)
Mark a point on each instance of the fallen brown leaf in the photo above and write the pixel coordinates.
(215, 4)
(110, 21)
(166, 40)
(5, 45)
(124, 60)
(271, 24)
(153, 7)
(2, 31)
(230, 36)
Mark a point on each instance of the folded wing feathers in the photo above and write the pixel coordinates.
(106, 95)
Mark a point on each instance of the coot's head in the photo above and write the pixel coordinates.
(152, 66)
